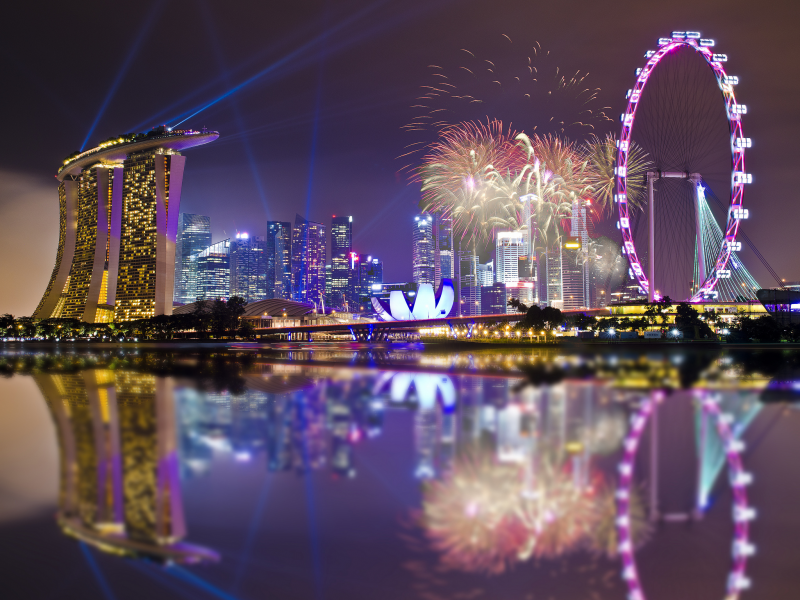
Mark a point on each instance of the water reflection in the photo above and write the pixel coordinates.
(120, 490)
(519, 459)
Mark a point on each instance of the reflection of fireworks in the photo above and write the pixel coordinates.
(604, 537)
(486, 516)
(472, 517)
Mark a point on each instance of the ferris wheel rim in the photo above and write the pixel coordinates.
(738, 144)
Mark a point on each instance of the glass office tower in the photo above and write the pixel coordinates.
(278, 255)
(341, 247)
(308, 261)
(194, 236)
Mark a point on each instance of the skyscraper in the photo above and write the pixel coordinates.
(580, 226)
(493, 299)
(444, 249)
(119, 205)
(194, 236)
(573, 275)
(341, 247)
(468, 298)
(214, 272)
(278, 259)
(509, 247)
(308, 260)
(248, 267)
(365, 273)
(422, 249)
(486, 274)
(549, 276)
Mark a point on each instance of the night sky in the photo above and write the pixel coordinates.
(316, 127)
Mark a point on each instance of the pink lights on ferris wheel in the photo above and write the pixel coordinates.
(739, 143)
(741, 548)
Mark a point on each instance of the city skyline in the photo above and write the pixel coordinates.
(263, 169)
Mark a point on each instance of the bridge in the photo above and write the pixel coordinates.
(378, 331)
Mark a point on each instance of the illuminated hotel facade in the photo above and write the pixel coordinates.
(119, 205)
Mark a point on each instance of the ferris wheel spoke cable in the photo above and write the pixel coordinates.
(710, 193)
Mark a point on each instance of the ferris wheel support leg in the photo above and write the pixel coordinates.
(696, 179)
(651, 249)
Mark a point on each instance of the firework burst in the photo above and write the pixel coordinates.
(456, 174)
(602, 157)
(518, 82)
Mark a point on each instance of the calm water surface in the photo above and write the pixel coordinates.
(339, 473)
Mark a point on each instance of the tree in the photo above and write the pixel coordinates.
(235, 306)
(688, 318)
(584, 321)
(6, 321)
(762, 329)
(219, 318)
(552, 317)
(517, 305)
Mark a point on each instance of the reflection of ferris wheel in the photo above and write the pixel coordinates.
(739, 480)
(676, 104)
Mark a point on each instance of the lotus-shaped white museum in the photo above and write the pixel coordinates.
(427, 305)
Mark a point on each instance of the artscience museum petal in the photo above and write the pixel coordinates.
(427, 305)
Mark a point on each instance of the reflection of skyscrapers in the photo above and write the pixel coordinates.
(214, 272)
(279, 259)
(423, 250)
(194, 236)
(308, 260)
(248, 267)
(341, 247)
(120, 485)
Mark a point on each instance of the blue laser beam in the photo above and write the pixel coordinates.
(211, 82)
(98, 574)
(151, 16)
(199, 582)
(237, 113)
(310, 45)
(251, 535)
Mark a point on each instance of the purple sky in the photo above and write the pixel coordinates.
(319, 133)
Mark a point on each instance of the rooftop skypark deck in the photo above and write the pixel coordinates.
(116, 150)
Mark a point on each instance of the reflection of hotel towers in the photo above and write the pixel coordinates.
(681, 454)
(119, 207)
(120, 488)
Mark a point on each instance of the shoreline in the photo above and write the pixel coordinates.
(431, 344)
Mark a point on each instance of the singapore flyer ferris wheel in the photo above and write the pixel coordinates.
(680, 244)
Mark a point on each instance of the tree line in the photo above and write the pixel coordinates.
(209, 319)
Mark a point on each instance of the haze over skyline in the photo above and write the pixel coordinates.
(320, 95)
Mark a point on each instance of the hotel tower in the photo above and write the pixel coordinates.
(119, 205)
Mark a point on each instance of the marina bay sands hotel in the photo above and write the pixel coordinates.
(119, 205)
